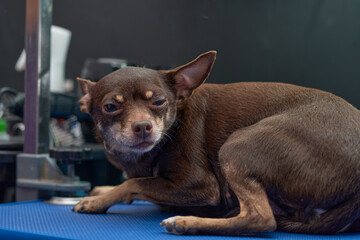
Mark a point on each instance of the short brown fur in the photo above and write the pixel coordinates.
(246, 157)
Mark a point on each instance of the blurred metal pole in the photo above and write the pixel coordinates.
(37, 96)
(37, 76)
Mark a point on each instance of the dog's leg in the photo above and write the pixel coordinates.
(165, 192)
(101, 190)
(255, 213)
(255, 216)
(267, 149)
(265, 153)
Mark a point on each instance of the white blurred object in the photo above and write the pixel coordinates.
(60, 41)
(21, 62)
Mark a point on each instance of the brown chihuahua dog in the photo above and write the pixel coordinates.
(241, 158)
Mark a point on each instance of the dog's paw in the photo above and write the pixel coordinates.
(179, 225)
(91, 205)
(101, 190)
(174, 225)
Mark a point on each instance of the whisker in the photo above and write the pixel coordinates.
(168, 136)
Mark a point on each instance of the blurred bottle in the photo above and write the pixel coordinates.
(60, 41)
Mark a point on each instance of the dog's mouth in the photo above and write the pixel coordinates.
(144, 146)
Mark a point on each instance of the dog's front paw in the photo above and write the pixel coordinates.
(179, 225)
(93, 204)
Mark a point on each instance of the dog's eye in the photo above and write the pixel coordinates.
(159, 102)
(110, 107)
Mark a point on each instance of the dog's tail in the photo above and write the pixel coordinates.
(334, 220)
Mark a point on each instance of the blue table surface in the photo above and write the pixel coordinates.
(140, 220)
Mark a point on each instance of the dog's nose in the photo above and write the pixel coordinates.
(142, 129)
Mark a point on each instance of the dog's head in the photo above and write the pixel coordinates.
(134, 107)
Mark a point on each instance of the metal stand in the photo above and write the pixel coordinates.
(42, 173)
(37, 76)
(35, 169)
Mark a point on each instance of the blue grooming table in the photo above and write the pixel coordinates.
(140, 220)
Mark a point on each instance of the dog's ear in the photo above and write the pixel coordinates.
(85, 100)
(184, 79)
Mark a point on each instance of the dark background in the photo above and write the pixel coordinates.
(313, 43)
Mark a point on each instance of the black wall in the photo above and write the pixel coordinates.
(313, 43)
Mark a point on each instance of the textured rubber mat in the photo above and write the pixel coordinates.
(38, 220)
